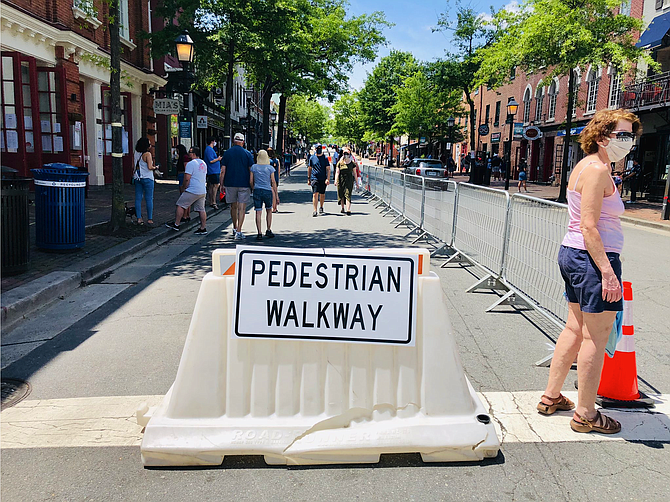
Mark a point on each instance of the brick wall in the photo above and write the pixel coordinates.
(59, 13)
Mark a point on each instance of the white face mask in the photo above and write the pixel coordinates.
(618, 148)
(213, 143)
(347, 157)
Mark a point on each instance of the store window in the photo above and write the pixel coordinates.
(553, 93)
(539, 102)
(496, 119)
(615, 90)
(123, 14)
(593, 80)
(526, 105)
(9, 121)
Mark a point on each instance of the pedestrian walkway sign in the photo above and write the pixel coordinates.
(327, 295)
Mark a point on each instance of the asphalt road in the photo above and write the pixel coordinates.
(127, 344)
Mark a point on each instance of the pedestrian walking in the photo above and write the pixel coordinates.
(195, 190)
(264, 186)
(213, 162)
(288, 157)
(143, 178)
(632, 176)
(180, 165)
(345, 173)
(274, 162)
(318, 176)
(496, 167)
(235, 168)
(522, 177)
(589, 260)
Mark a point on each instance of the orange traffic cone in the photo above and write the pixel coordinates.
(618, 380)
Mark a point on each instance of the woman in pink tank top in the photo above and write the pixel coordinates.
(591, 268)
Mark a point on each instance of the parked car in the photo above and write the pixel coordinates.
(431, 168)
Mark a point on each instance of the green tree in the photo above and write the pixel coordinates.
(458, 69)
(555, 37)
(307, 117)
(348, 124)
(422, 108)
(379, 93)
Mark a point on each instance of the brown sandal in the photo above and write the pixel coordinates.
(558, 403)
(600, 423)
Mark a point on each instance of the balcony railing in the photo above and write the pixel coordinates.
(650, 92)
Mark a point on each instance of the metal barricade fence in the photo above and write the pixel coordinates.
(374, 179)
(439, 205)
(387, 187)
(365, 179)
(481, 221)
(535, 231)
(414, 199)
(397, 191)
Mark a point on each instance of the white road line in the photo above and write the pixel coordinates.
(110, 421)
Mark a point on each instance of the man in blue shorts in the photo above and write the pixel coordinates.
(318, 177)
(235, 175)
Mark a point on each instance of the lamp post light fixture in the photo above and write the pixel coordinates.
(182, 84)
(184, 45)
(512, 108)
(273, 119)
(249, 94)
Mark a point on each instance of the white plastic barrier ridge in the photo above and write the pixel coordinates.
(289, 392)
(535, 231)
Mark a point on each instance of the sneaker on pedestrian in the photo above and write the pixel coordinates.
(172, 226)
(239, 236)
(201, 231)
(321, 210)
(314, 213)
(269, 234)
(234, 233)
(259, 237)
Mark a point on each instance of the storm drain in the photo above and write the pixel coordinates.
(13, 391)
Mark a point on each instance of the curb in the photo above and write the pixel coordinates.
(645, 223)
(36, 294)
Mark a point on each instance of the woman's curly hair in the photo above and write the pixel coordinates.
(603, 124)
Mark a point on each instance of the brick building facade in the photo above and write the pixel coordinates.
(55, 78)
(598, 88)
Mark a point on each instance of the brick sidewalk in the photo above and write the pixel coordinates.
(98, 210)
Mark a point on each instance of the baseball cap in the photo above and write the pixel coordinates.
(238, 136)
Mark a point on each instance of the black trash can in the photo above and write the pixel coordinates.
(60, 190)
(15, 225)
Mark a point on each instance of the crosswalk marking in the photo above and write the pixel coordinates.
(110, 421)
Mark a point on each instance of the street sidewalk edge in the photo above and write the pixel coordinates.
(645, 223)
(37, 297)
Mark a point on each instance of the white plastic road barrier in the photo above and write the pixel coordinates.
(361, 361)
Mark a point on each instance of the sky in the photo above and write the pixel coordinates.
(412, 32)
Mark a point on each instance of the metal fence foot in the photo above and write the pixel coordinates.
(457, 256)
(545, 362)
(419, 237)
(488, 282)
(438, 249)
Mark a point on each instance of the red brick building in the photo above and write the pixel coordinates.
(545, 107)
(55, 78)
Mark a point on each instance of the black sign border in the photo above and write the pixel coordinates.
(324, 338)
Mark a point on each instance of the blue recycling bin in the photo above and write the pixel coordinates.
(59, 207)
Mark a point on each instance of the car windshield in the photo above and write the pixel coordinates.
(427, 163)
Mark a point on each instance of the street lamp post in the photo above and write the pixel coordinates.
(249, 93)
(273, 119)
(512, 108)
(185, 53)
(451, 121)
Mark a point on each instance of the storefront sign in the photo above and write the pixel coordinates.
(184, 129)
(201, 122)
(495, 137)
(166, 106)
(573, 132)
(518, 130)
(483, 130)
(532, 133)
(325, 295)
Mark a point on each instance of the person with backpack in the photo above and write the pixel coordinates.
(143, 178)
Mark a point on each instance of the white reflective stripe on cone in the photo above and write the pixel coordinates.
(626, 344)
(627, 313)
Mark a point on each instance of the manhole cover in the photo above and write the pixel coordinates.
(13, 391)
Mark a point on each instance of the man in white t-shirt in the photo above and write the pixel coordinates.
(195, 177)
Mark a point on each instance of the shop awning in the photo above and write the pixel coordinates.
(573, 132)
(653, 35)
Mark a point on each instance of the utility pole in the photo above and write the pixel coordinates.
(118, 216)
